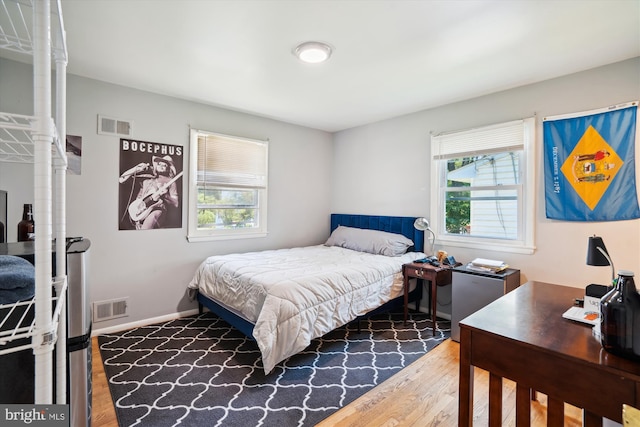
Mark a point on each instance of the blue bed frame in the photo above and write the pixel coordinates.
(393, 224)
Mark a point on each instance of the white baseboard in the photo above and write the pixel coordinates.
(125, 326)
(443, 315)
(424, 309)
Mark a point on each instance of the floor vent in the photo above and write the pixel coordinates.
(115, 127)
(112, 309)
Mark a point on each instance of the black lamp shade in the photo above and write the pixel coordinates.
(594, 256)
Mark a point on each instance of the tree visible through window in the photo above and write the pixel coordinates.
(458, 203)
(219, 208)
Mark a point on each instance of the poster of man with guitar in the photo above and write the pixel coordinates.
(150, 185)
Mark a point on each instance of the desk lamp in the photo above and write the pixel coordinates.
(597, 255)
(422, 224)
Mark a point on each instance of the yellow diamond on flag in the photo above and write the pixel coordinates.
(591, 167)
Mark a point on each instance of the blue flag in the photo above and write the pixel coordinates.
(589, 165)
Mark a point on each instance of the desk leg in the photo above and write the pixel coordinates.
(495, 400)
(430, 298)
(591, 420)
(465, 385)
(555, 412)
(434, 303)
(406, 298)
(523, 406)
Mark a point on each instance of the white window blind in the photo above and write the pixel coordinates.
(474, 142)
(231, 161)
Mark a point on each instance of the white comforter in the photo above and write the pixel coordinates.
(295, 295)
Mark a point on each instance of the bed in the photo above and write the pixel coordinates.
(285, 298)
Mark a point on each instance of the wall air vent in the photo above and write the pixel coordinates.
(114, 127)
(111, 309)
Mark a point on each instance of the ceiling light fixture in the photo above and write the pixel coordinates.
(313, 52)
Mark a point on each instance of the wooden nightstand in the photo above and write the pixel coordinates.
(437, 276)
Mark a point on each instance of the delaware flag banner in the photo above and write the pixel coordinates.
(589, 165)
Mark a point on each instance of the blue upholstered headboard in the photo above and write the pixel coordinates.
(393, 224)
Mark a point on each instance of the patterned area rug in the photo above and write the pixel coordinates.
(200, 371)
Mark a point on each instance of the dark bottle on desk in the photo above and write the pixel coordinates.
(26, 227)
(620, 318)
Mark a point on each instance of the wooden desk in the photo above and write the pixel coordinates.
(522, 336)
(437, 276)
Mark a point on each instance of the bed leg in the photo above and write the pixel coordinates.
(200, 308)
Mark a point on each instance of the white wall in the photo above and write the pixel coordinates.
(384, 168)
(153, 267)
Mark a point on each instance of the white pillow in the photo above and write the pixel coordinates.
(371, 241)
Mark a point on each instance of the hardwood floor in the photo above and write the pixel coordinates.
(423, 394)
(426, 394)
(103, 413)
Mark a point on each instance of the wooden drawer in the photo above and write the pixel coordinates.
(427, 271)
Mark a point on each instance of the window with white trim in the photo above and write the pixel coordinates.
(227, 186)
(485, 195)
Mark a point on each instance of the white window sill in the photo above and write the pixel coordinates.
(209, 238)
(488, 246)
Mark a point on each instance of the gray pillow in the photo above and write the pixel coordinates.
(371, 241)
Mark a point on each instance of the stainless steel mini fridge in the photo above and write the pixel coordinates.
(471, 290)
(78, 333)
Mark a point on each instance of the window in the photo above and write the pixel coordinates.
(228, 186)
(485, 182)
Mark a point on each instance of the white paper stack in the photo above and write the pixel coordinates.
(488, 265)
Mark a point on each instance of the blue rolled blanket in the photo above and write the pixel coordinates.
(17, 279)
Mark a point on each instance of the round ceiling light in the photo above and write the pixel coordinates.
(313, 52)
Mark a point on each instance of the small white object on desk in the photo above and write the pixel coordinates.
(581, 314)
(588, 313)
